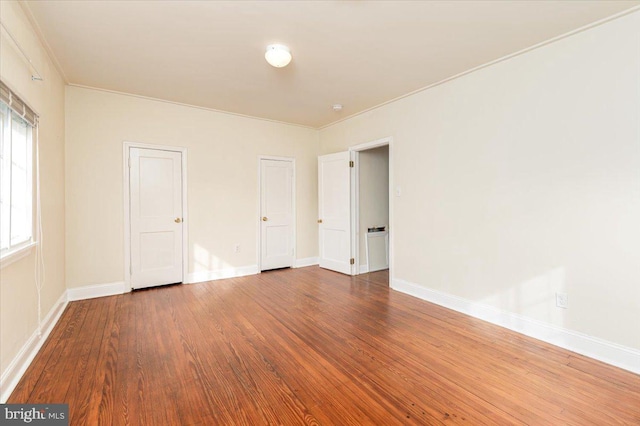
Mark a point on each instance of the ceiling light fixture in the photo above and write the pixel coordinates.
(278, 55)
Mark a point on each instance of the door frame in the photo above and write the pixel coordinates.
(126, 147)
(355, 198)
(294, 244)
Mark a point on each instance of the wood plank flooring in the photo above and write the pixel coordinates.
(309, 346)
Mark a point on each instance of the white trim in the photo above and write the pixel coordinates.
(602, 350)
(126, 146)
(354, 209)
(364, 269)
(386, 141)
(19, 364)
(17, 254)
(486, 64)
(47, 47)
(372, 144)
(306, 261)
(98, 290)
(219, 111)
(355, 212)
(294, 242)
(219, 274)
(276, 158)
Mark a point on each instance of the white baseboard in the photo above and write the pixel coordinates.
(219, 274)
(307, 261)
(18, 365)
(602, 350)
(99, 290)
(364, 269)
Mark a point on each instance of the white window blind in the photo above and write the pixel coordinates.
(16, 172)
(13, 101)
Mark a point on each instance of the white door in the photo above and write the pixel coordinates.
(334, 208)
(276, 211)
(155, 180)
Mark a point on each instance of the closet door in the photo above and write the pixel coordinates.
(155, 180)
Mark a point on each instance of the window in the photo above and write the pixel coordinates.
(16, 186)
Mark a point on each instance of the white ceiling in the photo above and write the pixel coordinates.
(357, 53)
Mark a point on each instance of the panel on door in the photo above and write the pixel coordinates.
(334, 208)
(276, 210)
(155, 183)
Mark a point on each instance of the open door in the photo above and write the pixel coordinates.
(334, 208)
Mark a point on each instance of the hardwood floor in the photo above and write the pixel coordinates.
(308, 346)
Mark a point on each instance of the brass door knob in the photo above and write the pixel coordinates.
(264, 218)
(177, 220)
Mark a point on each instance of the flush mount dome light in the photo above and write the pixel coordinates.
(278, 55)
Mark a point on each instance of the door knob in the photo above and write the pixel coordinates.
(177, 220)
(264, 218)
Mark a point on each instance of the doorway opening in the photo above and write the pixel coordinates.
(371, 206)
(355, 238)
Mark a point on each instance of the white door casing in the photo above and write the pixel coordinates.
(277, 219)
(334, 212)
(355, 199)
(155, 182)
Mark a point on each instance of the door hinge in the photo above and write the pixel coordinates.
(319, 220)
(351, 164)
(352, 261)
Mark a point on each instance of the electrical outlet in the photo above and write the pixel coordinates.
(562, 300)
(236, 248)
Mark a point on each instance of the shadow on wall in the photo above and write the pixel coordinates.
(534, 298)
(204, 263)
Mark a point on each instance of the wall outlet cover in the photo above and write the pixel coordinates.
(562, 300)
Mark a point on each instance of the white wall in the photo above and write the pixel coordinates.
(222, 169)
(374, 193)
(522, 179)
(518, 180)
(18, 297)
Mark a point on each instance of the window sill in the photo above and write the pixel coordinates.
(15, 255)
